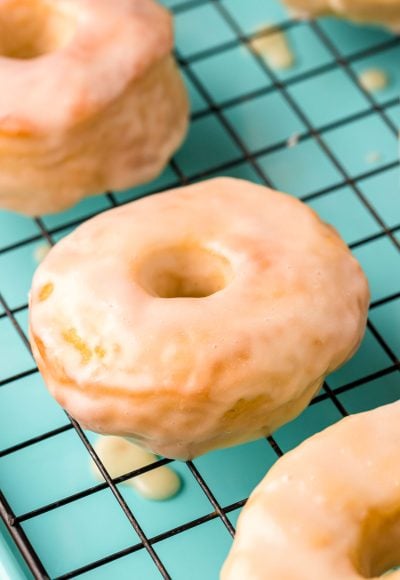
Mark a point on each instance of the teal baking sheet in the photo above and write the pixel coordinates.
(342, 161)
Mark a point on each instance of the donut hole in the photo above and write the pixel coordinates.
(380, 545)
(184, 272)
(32, 28)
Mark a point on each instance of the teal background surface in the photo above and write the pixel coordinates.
(344, 165)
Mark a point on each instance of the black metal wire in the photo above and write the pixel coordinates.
(181, 178)
(18, 535)
(343, 63)
(214, 108)
(118, 496)
(373, 238)
(28, 552)
(33, 440)
(316, 133)
(368, 379)
(12, 521)
(382, 342)
(18, 376)
(385, 300)
(211, 497)
(282, 27)
(87, 491)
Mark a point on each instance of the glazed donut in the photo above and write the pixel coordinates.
(198, 318)
(328, 510)
(90, 99)
(384, 12)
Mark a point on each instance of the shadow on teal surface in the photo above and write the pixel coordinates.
(378, 392)
(83, 210)
(386, 318)
(380, 260)
(234, 472)
(197, 101)
(311, 421)
(241, 171)
(167, 179)
(369, 359)
(220, 73)
(350, 38)
(196, 155)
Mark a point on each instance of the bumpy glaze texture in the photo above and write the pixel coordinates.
(329, 509)
(198, 318)
(106, 110)
(384, 12)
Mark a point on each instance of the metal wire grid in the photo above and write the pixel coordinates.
(13, 522)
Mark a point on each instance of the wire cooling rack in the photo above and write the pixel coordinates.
(311, 130)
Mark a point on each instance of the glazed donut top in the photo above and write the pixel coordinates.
(329, 509)
(197, 292)
(61, 61)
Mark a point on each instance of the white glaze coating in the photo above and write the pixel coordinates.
(384, 12)
(328, 510)
(373, 79)
(41, 251)
(185, 375)
(274, 49)
(107, 111)
(120, 456)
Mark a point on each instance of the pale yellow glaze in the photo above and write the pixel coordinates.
(120, 456)
(274, 49)
(328, 510)
(198, 318)
(373, 79)
(384, 12)
(41, 252)
(373, 157)
(90, 99)
(293, 140)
